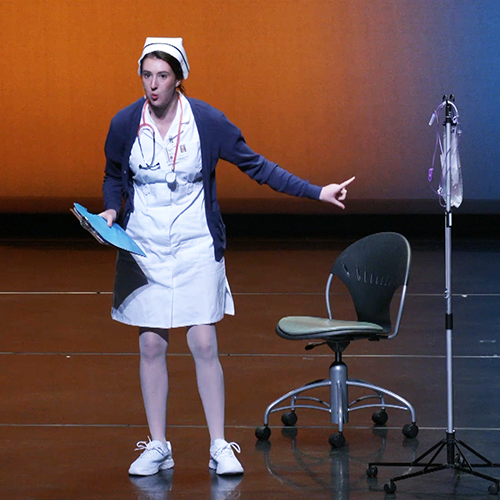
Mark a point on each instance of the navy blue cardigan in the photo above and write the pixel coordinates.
(219, 139)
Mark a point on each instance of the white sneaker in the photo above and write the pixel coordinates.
(222, 458)
(156, 456)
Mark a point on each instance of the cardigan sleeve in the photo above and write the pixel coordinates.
(234, 149)
(117, 185)
(112, 187)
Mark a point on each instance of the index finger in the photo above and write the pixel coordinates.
(346, 183)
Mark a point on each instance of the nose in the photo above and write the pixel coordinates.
(154, 83)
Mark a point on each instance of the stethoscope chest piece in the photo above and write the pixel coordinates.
(171, 179)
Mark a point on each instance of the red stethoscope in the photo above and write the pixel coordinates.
(171, 176)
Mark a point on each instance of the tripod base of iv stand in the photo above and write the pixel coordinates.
(455, 459)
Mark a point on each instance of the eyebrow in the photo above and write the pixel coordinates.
(165, 72)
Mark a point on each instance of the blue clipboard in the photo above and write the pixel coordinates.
(104, 234)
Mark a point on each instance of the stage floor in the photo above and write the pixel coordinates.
(72, 411)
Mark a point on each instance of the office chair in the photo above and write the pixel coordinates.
(373, 269)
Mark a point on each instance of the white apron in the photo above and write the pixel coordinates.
(179, 283)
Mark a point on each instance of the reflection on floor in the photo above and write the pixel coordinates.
(71, 408)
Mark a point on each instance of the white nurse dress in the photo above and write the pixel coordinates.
(179, 282)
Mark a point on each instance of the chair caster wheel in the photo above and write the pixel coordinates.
(262, 433)
(380, 417)
(494, 488)
(372, 471)
(289, 418)
(410, 430)
(336, 440)
(390, 487)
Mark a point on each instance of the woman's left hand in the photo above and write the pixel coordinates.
(335, 193)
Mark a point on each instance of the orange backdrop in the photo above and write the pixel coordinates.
(320, 87)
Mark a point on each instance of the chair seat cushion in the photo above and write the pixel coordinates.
(309, 327)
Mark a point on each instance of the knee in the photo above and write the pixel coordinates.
(152, 346)
(204, 347)
(204, 351)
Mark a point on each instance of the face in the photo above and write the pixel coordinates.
(159, 82)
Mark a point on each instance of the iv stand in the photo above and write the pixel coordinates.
(455, 458)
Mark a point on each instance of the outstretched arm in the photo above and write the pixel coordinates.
(335, 193)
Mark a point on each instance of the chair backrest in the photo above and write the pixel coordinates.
(373, 268)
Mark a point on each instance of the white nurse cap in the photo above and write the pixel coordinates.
(172, 46)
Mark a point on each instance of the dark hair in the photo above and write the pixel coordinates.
(172, 62)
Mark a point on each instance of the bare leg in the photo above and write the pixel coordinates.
(202, 341)
(153, 345)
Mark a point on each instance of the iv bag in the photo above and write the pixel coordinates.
(455, 167)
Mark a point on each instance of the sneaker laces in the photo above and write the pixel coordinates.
(145, 446)
(227, 449)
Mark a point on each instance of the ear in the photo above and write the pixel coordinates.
(178, 82)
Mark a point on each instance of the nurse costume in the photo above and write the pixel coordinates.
(179, 282)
